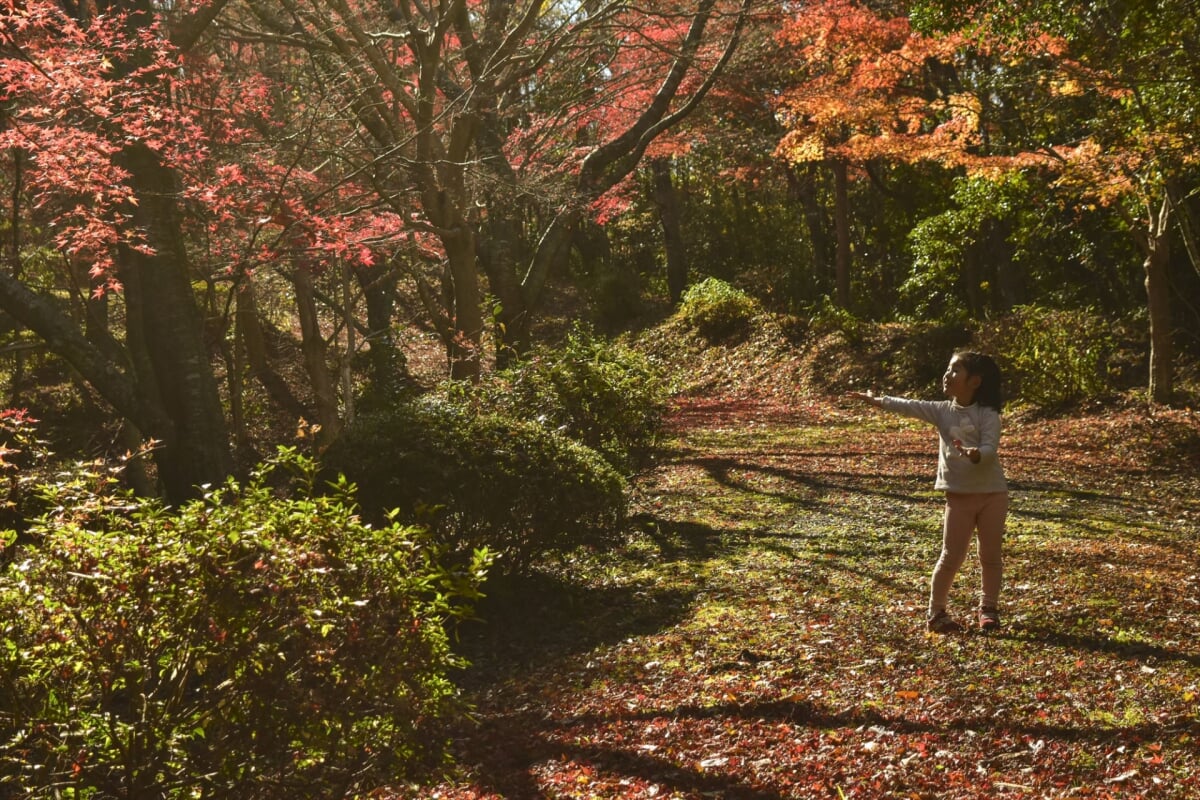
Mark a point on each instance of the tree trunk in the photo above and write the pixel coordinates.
(312, 342)
(973, 265)
(1158, 299)
(165, 337)
(44, 316)
(667, 202)
(609, 164)
(841, 216)
(498, 250)
(388, 369)
(805, 191)
(465, 354)
(248, 331)
(1010, 288)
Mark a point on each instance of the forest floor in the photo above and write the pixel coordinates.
(762, 635)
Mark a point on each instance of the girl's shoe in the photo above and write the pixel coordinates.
(941, 622)
(989, 618)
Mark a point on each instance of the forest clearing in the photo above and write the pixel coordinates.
(763, 634)
(476, 399)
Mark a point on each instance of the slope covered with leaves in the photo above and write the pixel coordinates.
(761, 636)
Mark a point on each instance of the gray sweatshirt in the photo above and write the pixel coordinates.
(974, 426)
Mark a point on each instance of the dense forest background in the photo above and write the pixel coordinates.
(462, 254)
(219, 213)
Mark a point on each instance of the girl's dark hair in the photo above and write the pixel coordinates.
(990, 392)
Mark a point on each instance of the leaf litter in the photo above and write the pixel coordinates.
(762, 634)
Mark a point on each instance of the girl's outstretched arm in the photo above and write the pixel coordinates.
(868, 397)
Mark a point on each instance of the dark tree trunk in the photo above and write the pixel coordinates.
(250, 337)
(1009, 280)
(592, 245)
(465, 351)
(1158, 299)
(312, 342)
(841, 216)
(667, 202)
(804, 189)
(387, 365)
(499, 248)
(165, 337)
(611, 162)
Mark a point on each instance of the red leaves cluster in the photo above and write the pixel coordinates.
(80, 93)
(77, 94)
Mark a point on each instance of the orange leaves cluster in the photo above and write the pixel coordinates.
(862, 98)
(871, 90)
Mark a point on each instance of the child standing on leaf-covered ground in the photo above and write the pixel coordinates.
(970, 473)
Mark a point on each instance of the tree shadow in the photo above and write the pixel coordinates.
(1127, 650)
(722, 468)
(536, 618)
(679, 540)
(548, 619)
(532, 739)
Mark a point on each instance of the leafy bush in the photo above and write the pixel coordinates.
(24, 460)
(717, 310)
(602, 394)
(482, 480)
(827, 317)
(1052, 357)
(247, 645)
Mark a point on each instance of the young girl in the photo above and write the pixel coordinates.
(969, 472)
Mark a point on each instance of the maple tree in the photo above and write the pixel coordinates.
(95, 143)
(1000, 92)
(146, 161)
(1131, 69)
(722, 154)
(152, 147)
(489, 129)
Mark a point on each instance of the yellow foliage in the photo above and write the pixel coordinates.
(1066, 87)
(800, 150)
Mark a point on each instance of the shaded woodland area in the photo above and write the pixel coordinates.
(322, 320)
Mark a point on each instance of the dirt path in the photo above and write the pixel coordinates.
(762, 636)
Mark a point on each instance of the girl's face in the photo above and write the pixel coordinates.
(958, 384)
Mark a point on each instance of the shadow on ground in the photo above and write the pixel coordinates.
(537, 618)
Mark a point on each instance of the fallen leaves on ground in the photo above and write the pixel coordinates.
(762, 636)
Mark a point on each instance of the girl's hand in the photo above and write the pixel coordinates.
(970, 453)
(867, 396)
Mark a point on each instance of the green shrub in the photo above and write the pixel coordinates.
(482, 480)
(250, 644)
(1052, 357)
(717, 310)
(827, 317)
(596, 392)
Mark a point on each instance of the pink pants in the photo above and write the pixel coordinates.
(966, 514)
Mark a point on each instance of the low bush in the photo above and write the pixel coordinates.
(717, 310)
(602, 394)
(482, 480)
(251, 644)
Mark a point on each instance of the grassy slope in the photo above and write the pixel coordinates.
(762, 635)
